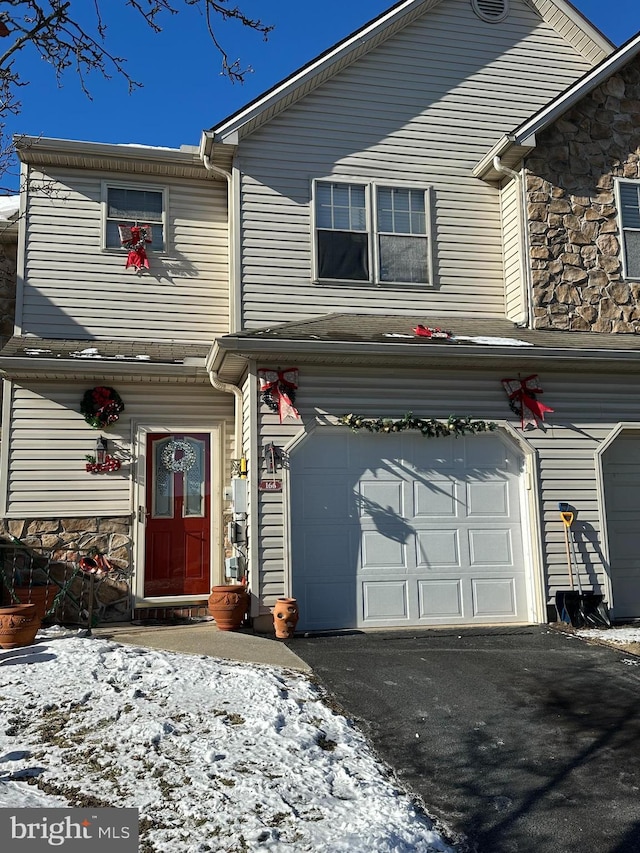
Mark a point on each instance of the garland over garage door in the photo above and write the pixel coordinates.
(398, 530)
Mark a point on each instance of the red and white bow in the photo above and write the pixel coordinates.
(521, 393)
(280, 383)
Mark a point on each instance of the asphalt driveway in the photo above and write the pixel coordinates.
(520, 740)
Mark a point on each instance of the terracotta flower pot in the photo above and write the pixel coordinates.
(228, 604)
(285, 617)
(41, 596)
(19, 625)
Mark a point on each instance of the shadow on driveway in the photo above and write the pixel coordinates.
(520, 740)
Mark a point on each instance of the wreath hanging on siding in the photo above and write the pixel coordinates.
(101, 406)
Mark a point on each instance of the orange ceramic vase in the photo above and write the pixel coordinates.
(228, 605)
(19, 625)
(285, 617)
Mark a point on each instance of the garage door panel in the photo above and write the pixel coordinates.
(494, 597)
(435, 499)
(490, 548)
(440, 599)
(329, 605)
(436, 548)
(385, 600)
(488, 454)
(382, 551)
(381, 497)
(328, 552)
(488, 499)
(323, 498)
(422, 456)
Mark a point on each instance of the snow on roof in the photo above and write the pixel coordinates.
(9, 206)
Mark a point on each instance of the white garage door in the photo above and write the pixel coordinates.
(621, 465)
(393, 530)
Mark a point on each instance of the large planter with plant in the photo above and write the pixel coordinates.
(19, 625)
(228, 604)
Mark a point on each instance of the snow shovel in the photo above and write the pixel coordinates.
(568, 602)
(579, 609)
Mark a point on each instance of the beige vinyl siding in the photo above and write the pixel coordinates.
(511, 213)
(423, 107)
(571, 31)
(74, 289)
(587, 408)
(48, 441)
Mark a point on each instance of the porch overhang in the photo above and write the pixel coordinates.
(345, 340)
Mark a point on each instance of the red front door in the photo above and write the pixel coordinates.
(178, 529)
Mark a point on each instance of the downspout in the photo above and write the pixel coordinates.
(218, 384)
(499, 166)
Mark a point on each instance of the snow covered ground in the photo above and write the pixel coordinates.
(217, 756)
(619, 634)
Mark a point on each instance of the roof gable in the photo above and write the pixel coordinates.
(567, 21)
(514, 146)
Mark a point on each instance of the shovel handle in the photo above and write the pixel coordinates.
(567, 518)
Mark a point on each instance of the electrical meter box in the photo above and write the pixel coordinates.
(239, 495)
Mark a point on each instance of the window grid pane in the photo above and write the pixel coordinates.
(401, 211)
(341, 207)
(134, 207)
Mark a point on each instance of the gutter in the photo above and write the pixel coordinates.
(524, 237)
(250, 348)
(10, 366)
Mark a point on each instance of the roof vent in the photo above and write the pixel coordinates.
(492, 11)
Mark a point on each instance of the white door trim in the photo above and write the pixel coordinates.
(140, 431)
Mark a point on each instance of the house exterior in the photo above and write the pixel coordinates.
(437, 209)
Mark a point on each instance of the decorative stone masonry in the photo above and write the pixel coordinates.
(64, 541)
(574, 234)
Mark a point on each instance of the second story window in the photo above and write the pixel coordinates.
(367, 232)
(628, 194)
(129, 206)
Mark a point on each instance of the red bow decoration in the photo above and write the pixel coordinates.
(280, 386)
(428, 332)
(134, 238)
(522, 400)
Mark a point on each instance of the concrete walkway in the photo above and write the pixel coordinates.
(203, 638)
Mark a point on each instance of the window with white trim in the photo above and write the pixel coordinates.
(375, 233)
(628, 196)
(127, 206)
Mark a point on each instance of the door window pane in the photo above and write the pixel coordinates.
(194, 480)
(162, 483)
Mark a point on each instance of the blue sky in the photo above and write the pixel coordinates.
(184, 91)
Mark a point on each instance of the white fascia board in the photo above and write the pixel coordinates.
(225, 131)
(571, 96)
(39, 145)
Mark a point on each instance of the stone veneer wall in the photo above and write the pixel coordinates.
(65, 540)
(573, 227)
